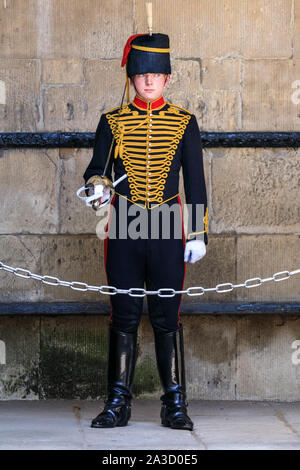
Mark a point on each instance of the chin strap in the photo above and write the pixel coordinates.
(127, 86)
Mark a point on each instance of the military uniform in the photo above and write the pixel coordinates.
(152, 141)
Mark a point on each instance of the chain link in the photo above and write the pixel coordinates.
(141, 292)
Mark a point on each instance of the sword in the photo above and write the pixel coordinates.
(90, 199)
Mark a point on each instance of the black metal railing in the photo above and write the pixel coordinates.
(86, 139)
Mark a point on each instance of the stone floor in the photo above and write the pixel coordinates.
(65, 424)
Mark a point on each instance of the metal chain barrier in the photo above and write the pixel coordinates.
(141, 292)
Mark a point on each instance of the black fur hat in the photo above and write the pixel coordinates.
(145, 53)
(149, 54)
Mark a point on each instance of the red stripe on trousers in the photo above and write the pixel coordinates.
(183, 239)
(105, 249)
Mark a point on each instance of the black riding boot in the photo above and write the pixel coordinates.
(121, 365)
(170, 363)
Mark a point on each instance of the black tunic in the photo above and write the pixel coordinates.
(152, 142)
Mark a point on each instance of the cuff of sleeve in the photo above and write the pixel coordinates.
(200, 235)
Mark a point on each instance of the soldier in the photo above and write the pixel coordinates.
(150, 140)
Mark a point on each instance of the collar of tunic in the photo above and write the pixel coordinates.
(142, 104)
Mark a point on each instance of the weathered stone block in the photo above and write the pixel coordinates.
(216, 267)
(218, 111)
(209, 344)
(29, 191)
(79, 108)
(73, 258)
(19, 375)
(20, 252)
(60, 71)
(209, 29)
(19, 30)
(296, 35)
(67, 29)
(265, 370)
(89, 29)
(20, 111)
(270, 101)
(73, 357)
(255, 190)
(262, 256)
(220, 74)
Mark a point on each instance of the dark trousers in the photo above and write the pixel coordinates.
(148, 262)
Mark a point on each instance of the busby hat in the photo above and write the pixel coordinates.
(146, 53)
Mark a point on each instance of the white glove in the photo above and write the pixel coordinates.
(194, 250)
(102, 191)
(96, 192)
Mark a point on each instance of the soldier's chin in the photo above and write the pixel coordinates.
(151, 95)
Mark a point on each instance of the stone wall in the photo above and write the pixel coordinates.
(228, 357)
(236, 65)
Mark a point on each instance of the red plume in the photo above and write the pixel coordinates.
(128, 47)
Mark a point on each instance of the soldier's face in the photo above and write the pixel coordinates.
(149, 86)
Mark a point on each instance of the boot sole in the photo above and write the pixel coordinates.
(121, 423)
(107, 426)
(168, 425)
